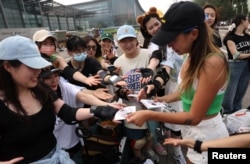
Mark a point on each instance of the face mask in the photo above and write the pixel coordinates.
(80, 57)
(48, 50)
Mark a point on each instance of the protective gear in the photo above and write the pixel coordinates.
(47, 49)
(158, 55)
(104, 112)
(153, 92)
(163, 75)
(122, 92)
(146, 72)
(68, 114)
(80, 57)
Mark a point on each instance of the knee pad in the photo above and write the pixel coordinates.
(139, 144)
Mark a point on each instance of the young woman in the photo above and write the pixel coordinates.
(46, 43)
(130, 61)
(93, 48)
(202, 79)
(211, 18)
(28, 107)
(237, 42)
(75, 96)
(150, 24)
(108, 52)
(89, 67)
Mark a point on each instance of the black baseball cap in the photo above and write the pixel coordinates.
(180, 17)
(48, 71)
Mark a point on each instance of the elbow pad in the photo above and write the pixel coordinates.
(163, 75)
(68, 114)
(68, 72)
(157, 54)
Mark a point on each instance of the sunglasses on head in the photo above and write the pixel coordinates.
(91, 47)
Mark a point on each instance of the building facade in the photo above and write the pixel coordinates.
(54, 16)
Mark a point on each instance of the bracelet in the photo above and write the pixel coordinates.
(197, 146)
(236, 55)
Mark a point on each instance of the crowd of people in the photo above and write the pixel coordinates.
(43, 98)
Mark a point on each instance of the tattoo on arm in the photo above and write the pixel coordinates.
(187, 122)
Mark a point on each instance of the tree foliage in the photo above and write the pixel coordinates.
(227, 9)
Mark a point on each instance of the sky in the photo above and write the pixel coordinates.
(161, 5)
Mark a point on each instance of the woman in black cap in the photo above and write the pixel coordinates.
(202, 79)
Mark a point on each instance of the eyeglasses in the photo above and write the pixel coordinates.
(91, 47)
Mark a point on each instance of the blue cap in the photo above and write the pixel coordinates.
(126, 31)
(22, 49)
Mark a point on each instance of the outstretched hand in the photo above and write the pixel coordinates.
(117, 105)
(145, 92)
(93, 80)
(146, 74)
(139, 117)
(13, 161)
(173, 141)
(102, 93)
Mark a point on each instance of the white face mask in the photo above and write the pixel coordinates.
(80, 57)
(47, 49)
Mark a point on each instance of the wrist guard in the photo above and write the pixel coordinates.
(146, 72)
(68, 72)
(122, 92)
(163, 75)
(197, 146)
(157, 87)
(104, 112)
(157, 54)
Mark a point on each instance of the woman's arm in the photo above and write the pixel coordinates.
(90, 99)
(101, 93)
(70, 73)
(207, 88)
(236, 55)
(172, 97)
(236, 141)
(71, 115)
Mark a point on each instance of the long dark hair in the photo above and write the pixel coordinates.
(216, 13)
(201, 48)
(11, 94)
(87, 39)
(237, 21)
(142, 20)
